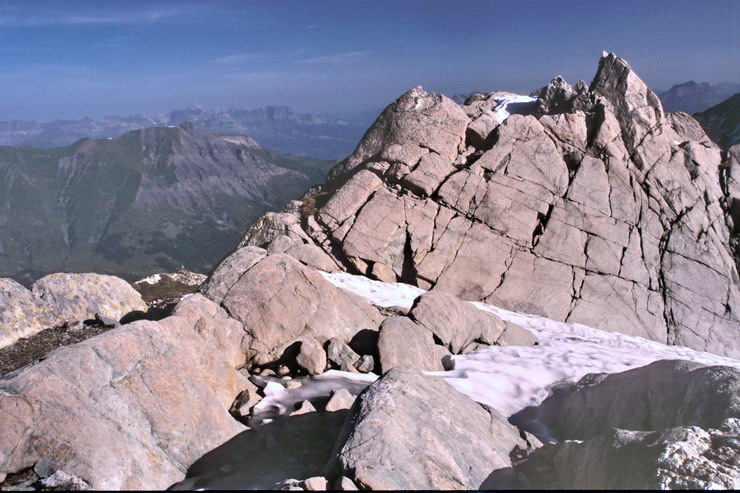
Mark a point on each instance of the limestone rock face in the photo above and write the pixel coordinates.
(131, 408)
(409, 431)
(590, 205)
(60, 298)
(280, 302)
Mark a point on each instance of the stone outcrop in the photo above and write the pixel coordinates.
(131, 408)
(661, 395)
(409, 431)
(667, 425)
(677, 458)
(282, 302)
(591, 205)
(62, 298)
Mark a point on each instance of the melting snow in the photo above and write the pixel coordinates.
(150, 280)
(514, 377)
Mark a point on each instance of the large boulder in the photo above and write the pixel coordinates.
(281, 302)
(62, 298)
(456, 324)
(661, 395)
(73, 297)
(131, 408)
(677, 458)
(401, 342)
(410, 431)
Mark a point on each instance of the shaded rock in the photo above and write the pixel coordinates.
(366, 364)
(345, 484)
(311, 357)
(340, 399)
(280, 302)
(677, 458)
(456, 324)
(409, 431)
(245, 401)
(341, 355)
(130, 408)
(403, 343)
(661, 395)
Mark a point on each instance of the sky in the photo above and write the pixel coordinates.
(70, 59)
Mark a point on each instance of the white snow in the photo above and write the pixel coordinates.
(500, 111)
(154, 279)
(514, 377)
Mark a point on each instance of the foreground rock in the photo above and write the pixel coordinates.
(661, 395)
(62, 298)
(131, 408)
(677, 458)
(409, 431)
(282, 302)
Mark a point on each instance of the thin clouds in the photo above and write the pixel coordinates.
(17, 18)
(248, 57)
(336, 58)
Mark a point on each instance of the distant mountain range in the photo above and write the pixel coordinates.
(275, 127)
(691, 97)
(722, 122)
(151, 200)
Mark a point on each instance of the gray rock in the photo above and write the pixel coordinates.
(403, 343)
(341, 355)
(304, 407)
(366, 364)
(661, 395)
(456, 324)
(677, 458)
(409, 431)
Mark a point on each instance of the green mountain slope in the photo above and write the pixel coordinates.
(151, 200)
(722, 122)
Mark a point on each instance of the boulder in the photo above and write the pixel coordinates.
(516, 335)
(311, 357)
(229, 270)
(410, 431)
(676, 458)
(456, 324)
(340, 399)
(403, 343)
(280, 302)
(341, 355)
(131, 408)
(661, 395)
(63, 298)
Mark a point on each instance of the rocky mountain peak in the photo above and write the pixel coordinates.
(587, 204)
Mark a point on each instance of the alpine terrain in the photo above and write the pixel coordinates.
(151, 200)
(512, 292)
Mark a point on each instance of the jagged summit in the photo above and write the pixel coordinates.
(590, 205)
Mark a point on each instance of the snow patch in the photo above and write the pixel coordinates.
(154, 279)
(500, 111)
(514, 377)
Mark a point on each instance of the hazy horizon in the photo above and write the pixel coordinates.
(343, 58)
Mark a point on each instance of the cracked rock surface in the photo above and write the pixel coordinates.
(594, 207)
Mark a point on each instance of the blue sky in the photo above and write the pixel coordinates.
(68, 59)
